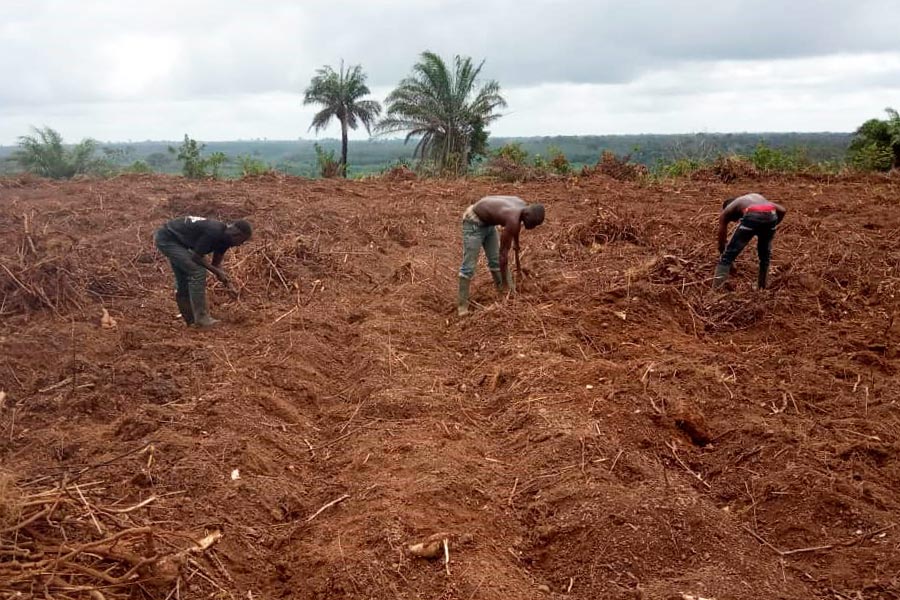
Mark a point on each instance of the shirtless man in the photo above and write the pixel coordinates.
(185, 241)
(479, 229)
(758, 217)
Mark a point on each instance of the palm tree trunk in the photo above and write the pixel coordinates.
(344, 147)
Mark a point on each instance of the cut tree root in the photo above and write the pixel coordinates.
(126, 562)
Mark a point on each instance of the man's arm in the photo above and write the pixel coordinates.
(723, 231)
(212, 268)
(510, 234)
(516, 249)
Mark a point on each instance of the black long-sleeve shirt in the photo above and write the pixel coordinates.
(200, 234)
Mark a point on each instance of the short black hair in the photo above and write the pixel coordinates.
(728, 201)
(533, 215)
(244, 227)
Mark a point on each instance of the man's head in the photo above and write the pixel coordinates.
(728, 201)
(239, 232)
(532, 215)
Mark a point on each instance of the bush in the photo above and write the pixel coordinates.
(513, 153)
(772, 160)
(558, 162)
(252, 166)
(871, 157)
(195, 166)
(727, 169)
(214, 162)
(138, 166)
(44, 154)
(328, 166)
(617, 167)
(508, 170)
(188, 154)
(682, 167)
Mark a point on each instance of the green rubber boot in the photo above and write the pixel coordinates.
(511, 280)
(184, 307)
(198, 303)
(721, 276)
(462, 306)
(498, 281)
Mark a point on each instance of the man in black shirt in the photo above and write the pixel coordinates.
(185, 241)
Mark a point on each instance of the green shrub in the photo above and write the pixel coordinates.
(513, 153)
(252, 166)
(871, 156)
(327, 165)
(138, 166)
(188, 154)
(193, 164)
(682, 167)
(558, 161)
(44, 154)
(874, 140)
(214, 163)
(772, 160)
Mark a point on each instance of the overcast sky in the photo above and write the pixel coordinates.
(121, 70)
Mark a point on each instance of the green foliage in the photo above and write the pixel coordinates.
(214, 162)
(328, 166)
(138, 166)
(682, 167)
(478, 142)
(298, 157)
(340, 94)
(44, 154)
(250, 165)
(871, 156)
(445, 109)
(159, 160)
(512, 152)
(118, 155)
(557, 161)
(193, 164)
(770, 160)
(188, 154)
(876, 144)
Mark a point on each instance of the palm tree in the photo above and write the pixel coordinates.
(339, 93)
(444, 109)
(44, 154)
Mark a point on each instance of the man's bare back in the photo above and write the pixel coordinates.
(480, 223)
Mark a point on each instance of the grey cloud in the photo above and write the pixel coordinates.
(54, 52)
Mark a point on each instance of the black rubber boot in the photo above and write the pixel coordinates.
(184, 307)
(762, 277)
(721, 276)
(462, 306)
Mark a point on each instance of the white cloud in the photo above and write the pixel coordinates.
(228, 69)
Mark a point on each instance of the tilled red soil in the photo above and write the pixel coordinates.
(618, 430)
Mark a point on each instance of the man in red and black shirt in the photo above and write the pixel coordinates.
(757, 217)
(185, 241)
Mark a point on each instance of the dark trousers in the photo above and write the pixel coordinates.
(759, 225)
(190, 278)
